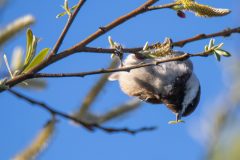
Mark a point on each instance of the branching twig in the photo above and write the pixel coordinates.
(95, 35)
(102, 30)
(67, 26)
(72, 50)
(84, 124)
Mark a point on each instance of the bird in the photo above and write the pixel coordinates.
(173, 83)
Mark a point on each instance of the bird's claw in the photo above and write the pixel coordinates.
(176, 121)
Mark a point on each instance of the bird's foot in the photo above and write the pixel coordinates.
(176, 121)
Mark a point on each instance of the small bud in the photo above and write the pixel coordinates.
(181, 14)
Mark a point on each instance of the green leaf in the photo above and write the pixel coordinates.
(29, 36)
(61, 14)
(31, 47)
(217, 56)
(38, 59)
(222, 52)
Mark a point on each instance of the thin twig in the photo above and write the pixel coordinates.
(90, 127)
(224, 33)
(48, 108)
(126, 130)
(127, 69)
(66, 28)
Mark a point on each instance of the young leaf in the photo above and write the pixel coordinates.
(218, 57)
(222, 52)
(211, 43)
(64, 13)
(38, 59)
(31, 47)
(145, 47)
(66, 7)
(29, 36)
(206, 48)
(61, 14)
(111, 42)
(219, 46)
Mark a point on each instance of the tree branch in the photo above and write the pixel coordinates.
(88, 126)
(102, 30)
(48, 108)
(224, 33)
(72, 50)
(127, 69)
(81, 47)
(95, 35)
(66, 28)
(16, 80)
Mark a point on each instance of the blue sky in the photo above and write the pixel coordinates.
(20, 122)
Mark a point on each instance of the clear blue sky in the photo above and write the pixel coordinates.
(20, 122)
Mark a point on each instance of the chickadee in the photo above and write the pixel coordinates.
(171, 83)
